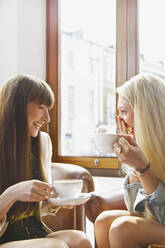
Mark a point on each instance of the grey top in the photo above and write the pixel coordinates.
(136, 200)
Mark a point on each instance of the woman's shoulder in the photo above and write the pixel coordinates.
(44, 136)
(45, 140)
(46, 149)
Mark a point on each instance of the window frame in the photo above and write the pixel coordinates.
(127, 65)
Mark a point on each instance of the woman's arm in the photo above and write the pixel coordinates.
(155, 202)
(6, 202)
(46, 154)
(133, 156)
(26, 191)
(149, 181)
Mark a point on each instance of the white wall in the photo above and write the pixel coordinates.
(8, 38)
(22, 38)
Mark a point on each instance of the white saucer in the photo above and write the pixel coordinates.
(74, 201)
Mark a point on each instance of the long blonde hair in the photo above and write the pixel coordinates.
(146, 94)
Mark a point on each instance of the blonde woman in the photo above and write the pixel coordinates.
(25, 160)
(141, 108)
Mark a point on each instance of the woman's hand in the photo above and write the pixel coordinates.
(122, 127)
(31, 191)
(130, 153)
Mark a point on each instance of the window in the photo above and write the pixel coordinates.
(152, 40)
(91, 95)
(70, 58)
(90, 40)
(102, 35)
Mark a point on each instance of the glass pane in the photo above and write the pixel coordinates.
(87, 57)
(152, 39)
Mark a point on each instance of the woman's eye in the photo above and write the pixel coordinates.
(41, 107)
(123, 112)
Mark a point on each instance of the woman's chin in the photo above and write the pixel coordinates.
(34, 133)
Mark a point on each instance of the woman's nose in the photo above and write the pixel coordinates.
(47, 117)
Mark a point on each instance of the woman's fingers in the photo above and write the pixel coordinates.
(130, 154)
(117, 148)
(124, 144)
(43, 189)
(35, 197)
(41, 192)
(120, 125)
(32, 190)
(124, 128)
(53, 193)
(43, 185)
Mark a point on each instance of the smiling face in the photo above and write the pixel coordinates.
(126, 111)
(37, 115)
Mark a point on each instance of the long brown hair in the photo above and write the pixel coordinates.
(16, 147)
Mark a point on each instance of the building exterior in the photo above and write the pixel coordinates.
(88, 97)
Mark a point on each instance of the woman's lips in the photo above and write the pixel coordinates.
(37, 126)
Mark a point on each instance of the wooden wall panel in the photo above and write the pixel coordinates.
(52, 66)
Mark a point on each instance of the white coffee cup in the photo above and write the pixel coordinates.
(105, 141)
(68, 188)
